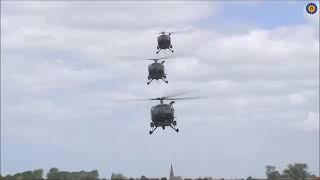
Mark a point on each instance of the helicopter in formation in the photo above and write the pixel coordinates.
(163, 114)
(156, 70)
(164, 41)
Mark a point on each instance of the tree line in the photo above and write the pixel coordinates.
(53, 174)
(297, 171)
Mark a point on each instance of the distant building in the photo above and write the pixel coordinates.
(172, 177)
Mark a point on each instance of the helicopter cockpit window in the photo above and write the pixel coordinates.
(166, 37)
(158, 67)
(164, 109)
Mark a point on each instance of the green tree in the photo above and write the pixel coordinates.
(27, 175)
(9, 177)
(94, 175)
(297, 171)
(53, 174)
(272, 173)
(38, 174)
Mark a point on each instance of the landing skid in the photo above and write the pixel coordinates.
(150, 132)
(164, 50)
(176, 129)
(158, 81)
(149, 82)
(165, 80)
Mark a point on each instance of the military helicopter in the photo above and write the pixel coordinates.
(156, 70)
(164, 40)
(162, 115)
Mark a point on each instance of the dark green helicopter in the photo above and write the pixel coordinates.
(163, 115)
(164, 40)
(156, 70)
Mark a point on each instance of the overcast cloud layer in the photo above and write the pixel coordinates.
(61, 77)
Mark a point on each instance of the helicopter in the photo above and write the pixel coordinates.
(164, 40)
(156, 70)
(163, 114)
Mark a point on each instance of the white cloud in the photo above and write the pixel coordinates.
(296, 98)
(61, 74)
(311, 122)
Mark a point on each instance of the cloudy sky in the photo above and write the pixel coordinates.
(61, 79)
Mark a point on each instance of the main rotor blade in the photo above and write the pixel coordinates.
(130, 100)
(156, 99)
(168, 57)
(179, 93)
(182, 31)
(185, 98)
(136, 58)
(144, 99)
(162, 98)
(188, 30)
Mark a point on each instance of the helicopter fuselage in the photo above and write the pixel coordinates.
(156, 71)
(164, 41)
(162, 115)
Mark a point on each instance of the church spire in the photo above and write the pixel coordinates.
(171, 172)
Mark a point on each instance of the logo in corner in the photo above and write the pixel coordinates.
(311, 8)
